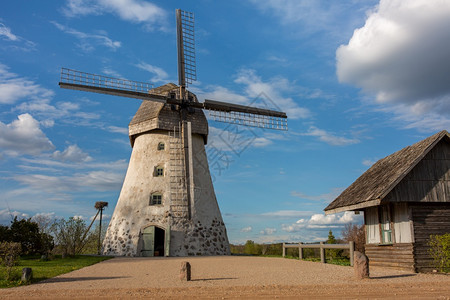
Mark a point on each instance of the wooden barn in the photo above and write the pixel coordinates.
(405, 198)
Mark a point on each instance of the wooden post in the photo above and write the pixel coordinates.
(300, 251)
(322, 253)
(284, 250)
(352, 250)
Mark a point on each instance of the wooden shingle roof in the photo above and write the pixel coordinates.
(153, 115)
(372, 186)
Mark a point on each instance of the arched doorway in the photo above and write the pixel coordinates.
(153, 241)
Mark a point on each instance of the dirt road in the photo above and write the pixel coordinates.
(231, 277)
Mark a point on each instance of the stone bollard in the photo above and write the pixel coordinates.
(185, 271)
(361, 265)
(27, 275)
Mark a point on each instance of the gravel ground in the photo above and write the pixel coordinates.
(231, 277)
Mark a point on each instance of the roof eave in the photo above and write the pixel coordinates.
(357, 206)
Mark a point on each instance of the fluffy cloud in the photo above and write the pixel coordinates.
(6, 216)
(401, 56)
(320, 221)
(135, 11)
(73, 154)
(14, 88)
(23, 136)
(247, 229)
(268, 231)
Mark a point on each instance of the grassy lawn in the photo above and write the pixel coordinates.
(47, 269)
(336, 261)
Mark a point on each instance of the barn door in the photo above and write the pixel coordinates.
(148, 239)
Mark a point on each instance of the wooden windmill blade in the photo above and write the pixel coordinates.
(246, 115)
(88, 82)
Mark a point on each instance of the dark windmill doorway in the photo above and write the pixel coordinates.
(155, 241)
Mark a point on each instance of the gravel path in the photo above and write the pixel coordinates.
(231, 277)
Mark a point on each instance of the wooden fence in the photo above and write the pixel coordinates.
(322, 246)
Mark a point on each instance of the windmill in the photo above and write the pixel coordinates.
(167, 205)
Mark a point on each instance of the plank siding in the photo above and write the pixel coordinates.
(428, 181)
(398, 256)
(432, 218)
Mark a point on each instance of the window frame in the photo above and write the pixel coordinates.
(386, 231)
(159, 171)
(161, 146)
(154, 201)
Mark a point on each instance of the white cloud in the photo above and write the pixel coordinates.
(247, 229)
(269, 94)
(268, 231)
(23, 136)
(6, 216)
(160, 74)
(321, 221)
(135, 11)
(309, 17)
(116, 129)
(330, 138)
(87, 41)
(73, 154)
(14, 88)
(401, 56)
(6, 32)
(95, 180)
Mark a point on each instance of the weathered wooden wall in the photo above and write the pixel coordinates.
(428, 181)
(430, 218)
(398, 256)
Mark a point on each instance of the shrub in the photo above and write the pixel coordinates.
(9, 256)
(440, 251)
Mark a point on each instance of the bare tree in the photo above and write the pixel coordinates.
(353, 232)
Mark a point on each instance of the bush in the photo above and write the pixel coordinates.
(28, 234)
(9, 256)
(440, 251)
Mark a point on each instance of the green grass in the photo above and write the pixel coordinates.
(47, 269)
(336, 261)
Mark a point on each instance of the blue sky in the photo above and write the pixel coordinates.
(358, 80)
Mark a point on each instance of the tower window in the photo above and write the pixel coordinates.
(161, 146)
(156, 199)
(159, 171)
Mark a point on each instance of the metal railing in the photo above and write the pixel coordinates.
(322, 246)
(87, 79)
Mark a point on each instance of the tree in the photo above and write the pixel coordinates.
(68, 234)
(32, 240)
(332, 253)
(355, 233)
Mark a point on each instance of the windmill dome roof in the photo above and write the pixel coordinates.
(153, 115)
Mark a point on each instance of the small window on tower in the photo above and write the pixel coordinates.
(159, 171)
(156, 199)
(161, 146)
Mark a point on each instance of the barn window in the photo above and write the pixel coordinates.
(386, 230)
(156, 199)
(159, 171)
(161, 146)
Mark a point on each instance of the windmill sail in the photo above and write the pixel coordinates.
(187, 72)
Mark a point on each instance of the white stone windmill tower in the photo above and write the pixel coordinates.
(167, 205)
